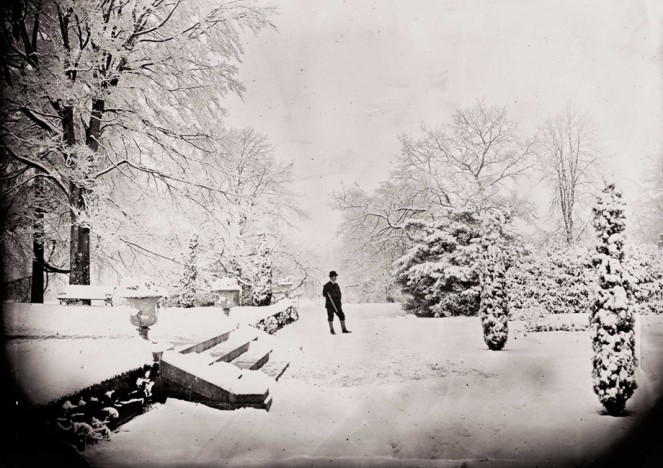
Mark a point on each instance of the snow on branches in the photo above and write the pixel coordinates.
(611, 319)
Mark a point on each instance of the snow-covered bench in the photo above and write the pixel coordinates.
(78, 292)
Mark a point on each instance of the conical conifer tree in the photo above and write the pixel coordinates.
(612, 320)
(493, 309)
(190, 274)
(262, 290)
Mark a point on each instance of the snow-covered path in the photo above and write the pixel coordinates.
(402, 392)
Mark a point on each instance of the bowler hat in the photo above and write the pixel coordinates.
(332, 273)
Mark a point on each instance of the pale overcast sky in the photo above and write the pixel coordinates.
(340, 80)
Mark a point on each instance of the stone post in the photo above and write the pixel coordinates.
(223, 301)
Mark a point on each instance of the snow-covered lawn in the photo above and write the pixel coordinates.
(402, 391)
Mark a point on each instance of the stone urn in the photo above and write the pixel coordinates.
(146, 305)
(228, 292)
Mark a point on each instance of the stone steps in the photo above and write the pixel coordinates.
(229, 371)
(276, 366)
(237, 344)
(220, 382)
(255, 357)
(198, 347)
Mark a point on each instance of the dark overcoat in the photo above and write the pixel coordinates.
(333, 290)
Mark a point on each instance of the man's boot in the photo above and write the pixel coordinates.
(331, 328)
(345, 330)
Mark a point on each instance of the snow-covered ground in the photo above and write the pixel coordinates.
(399, 391)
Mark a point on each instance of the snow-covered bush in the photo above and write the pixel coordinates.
(564, 282)
(439, 275)
(530, 315)
(281, 314)
(291, 314)
(559, 282)
(88, 416)
(269, 325)
(611, 319)
(281, 318)
(494, 308)
(547, 326)
(190, 274)
(205, 298)
(645, 265)
(262, 286)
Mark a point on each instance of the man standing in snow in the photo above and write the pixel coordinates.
(332, 294)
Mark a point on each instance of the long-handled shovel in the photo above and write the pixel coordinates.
(343, 329)
(332, 301)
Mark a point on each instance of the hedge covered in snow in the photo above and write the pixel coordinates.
(645, 265)
(557, 282)
(564, 282)
(90, 415)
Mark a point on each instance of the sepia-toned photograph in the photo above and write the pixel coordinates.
(331, 233)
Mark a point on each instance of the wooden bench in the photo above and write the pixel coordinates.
(79, 292)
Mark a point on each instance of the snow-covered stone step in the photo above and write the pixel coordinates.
(250, 387)
(200, 346)
(221, 381)
(222, 374)
(256, 356)
(237, 344)
(268, 403)
(276, 366)
(194, 374)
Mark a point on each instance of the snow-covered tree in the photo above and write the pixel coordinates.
(495, 240)
(440, 274)
(79, 82)
(612, 320)
(262, 285)
(258, 192)
(370, 241)
(475, 159)
(298, 259)
(647, 216)
(190, 275)
(568, 160)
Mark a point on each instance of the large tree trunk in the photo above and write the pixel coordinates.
(37, 284)
(80, 235)
(79, 253)
(79, 242)
(94, 130)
